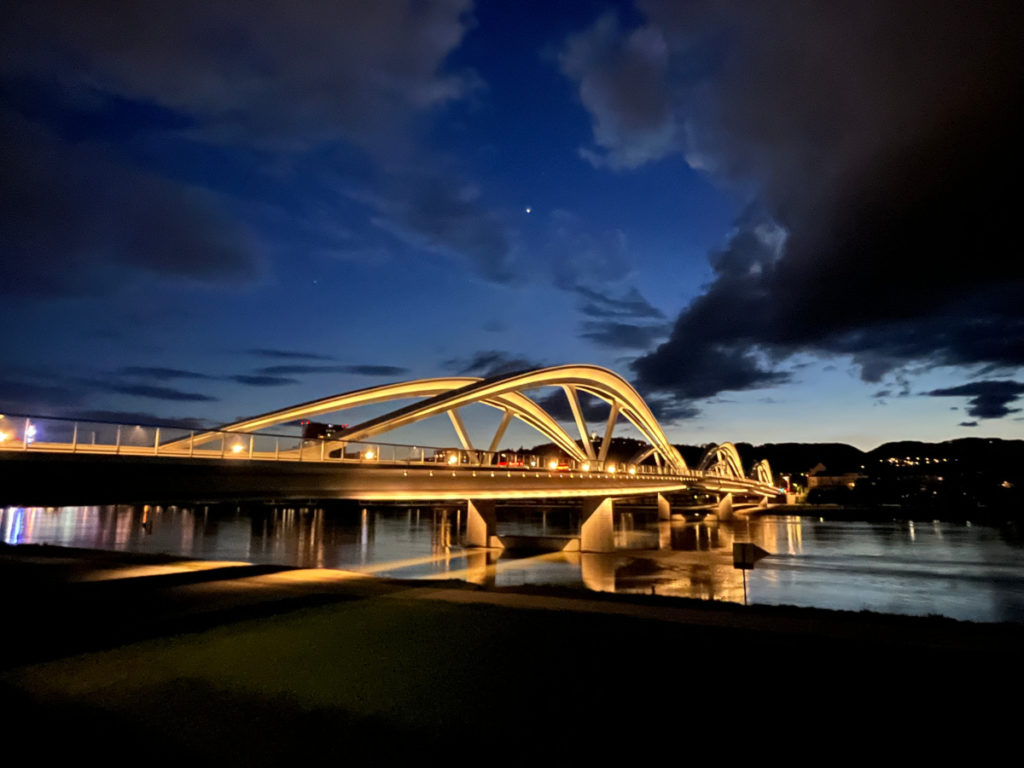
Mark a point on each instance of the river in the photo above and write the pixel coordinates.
(960, 570)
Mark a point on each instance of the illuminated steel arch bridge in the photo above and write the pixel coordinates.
(468, 473)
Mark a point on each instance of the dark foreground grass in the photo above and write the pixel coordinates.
(395, 677)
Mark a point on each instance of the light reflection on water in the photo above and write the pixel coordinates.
(963, 571)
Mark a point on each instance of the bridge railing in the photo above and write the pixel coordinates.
(61, 435)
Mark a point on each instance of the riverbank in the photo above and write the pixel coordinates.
(133, 655)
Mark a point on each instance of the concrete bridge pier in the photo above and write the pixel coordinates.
(597, 533)
(482, 524)
(724, 508)
(664, 509)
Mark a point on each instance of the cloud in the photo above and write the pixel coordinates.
(967, 424)
(695, 369)
(595, 410)
(75, 220)
(287, 354)
(610, 326)
(878, 146)
(358, 370)
(155, 372)
(143, 418)
(153, 392)
(623, 335)
(261, 381)
(490, 363)
(95, 101)
(988, 399)
(436, 211)
(357, 70)
(632, 305)
(622, 78)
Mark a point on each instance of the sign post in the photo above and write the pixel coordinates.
(744, 555)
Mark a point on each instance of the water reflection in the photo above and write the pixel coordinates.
(965, 571)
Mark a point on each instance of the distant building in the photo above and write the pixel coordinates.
(820, 477)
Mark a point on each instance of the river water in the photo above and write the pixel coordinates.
(961, 570)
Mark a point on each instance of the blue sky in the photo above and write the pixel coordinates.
(779, 227)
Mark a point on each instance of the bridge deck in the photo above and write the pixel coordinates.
(44, 477)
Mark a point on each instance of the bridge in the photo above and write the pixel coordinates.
(244, 459)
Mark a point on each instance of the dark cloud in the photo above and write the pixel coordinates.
(879, 145)
(153, 392)
(631, 305)
(155, 372)
(700, 369)
(967, 424)
(143, 418)
(261, 381)
(440, 213)
(490, 363)
(283, 73)
(84, 87)
(43, 395)
(376, 370)
(623, 335)
(358, 370)
(623, 82)
(595, 411)
(988, 399)
(74, 219)
(629, 322)
(288, 354)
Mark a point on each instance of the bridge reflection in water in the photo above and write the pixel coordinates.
(681, 559)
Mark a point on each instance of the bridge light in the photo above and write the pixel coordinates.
(632, 470)
(237, 448)
(3, 436)
(611, 469)
(586, 466)
(453, 459)
(369, 454)
(553, 464)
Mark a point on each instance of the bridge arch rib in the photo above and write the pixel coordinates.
(724, 460)
(505, 392)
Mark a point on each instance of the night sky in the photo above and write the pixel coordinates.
(785, 221)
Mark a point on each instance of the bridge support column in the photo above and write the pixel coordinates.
(481, 524)
(664, 509)
(724, 508)
(597, 533)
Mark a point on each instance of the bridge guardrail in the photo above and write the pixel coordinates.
(50, 434)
